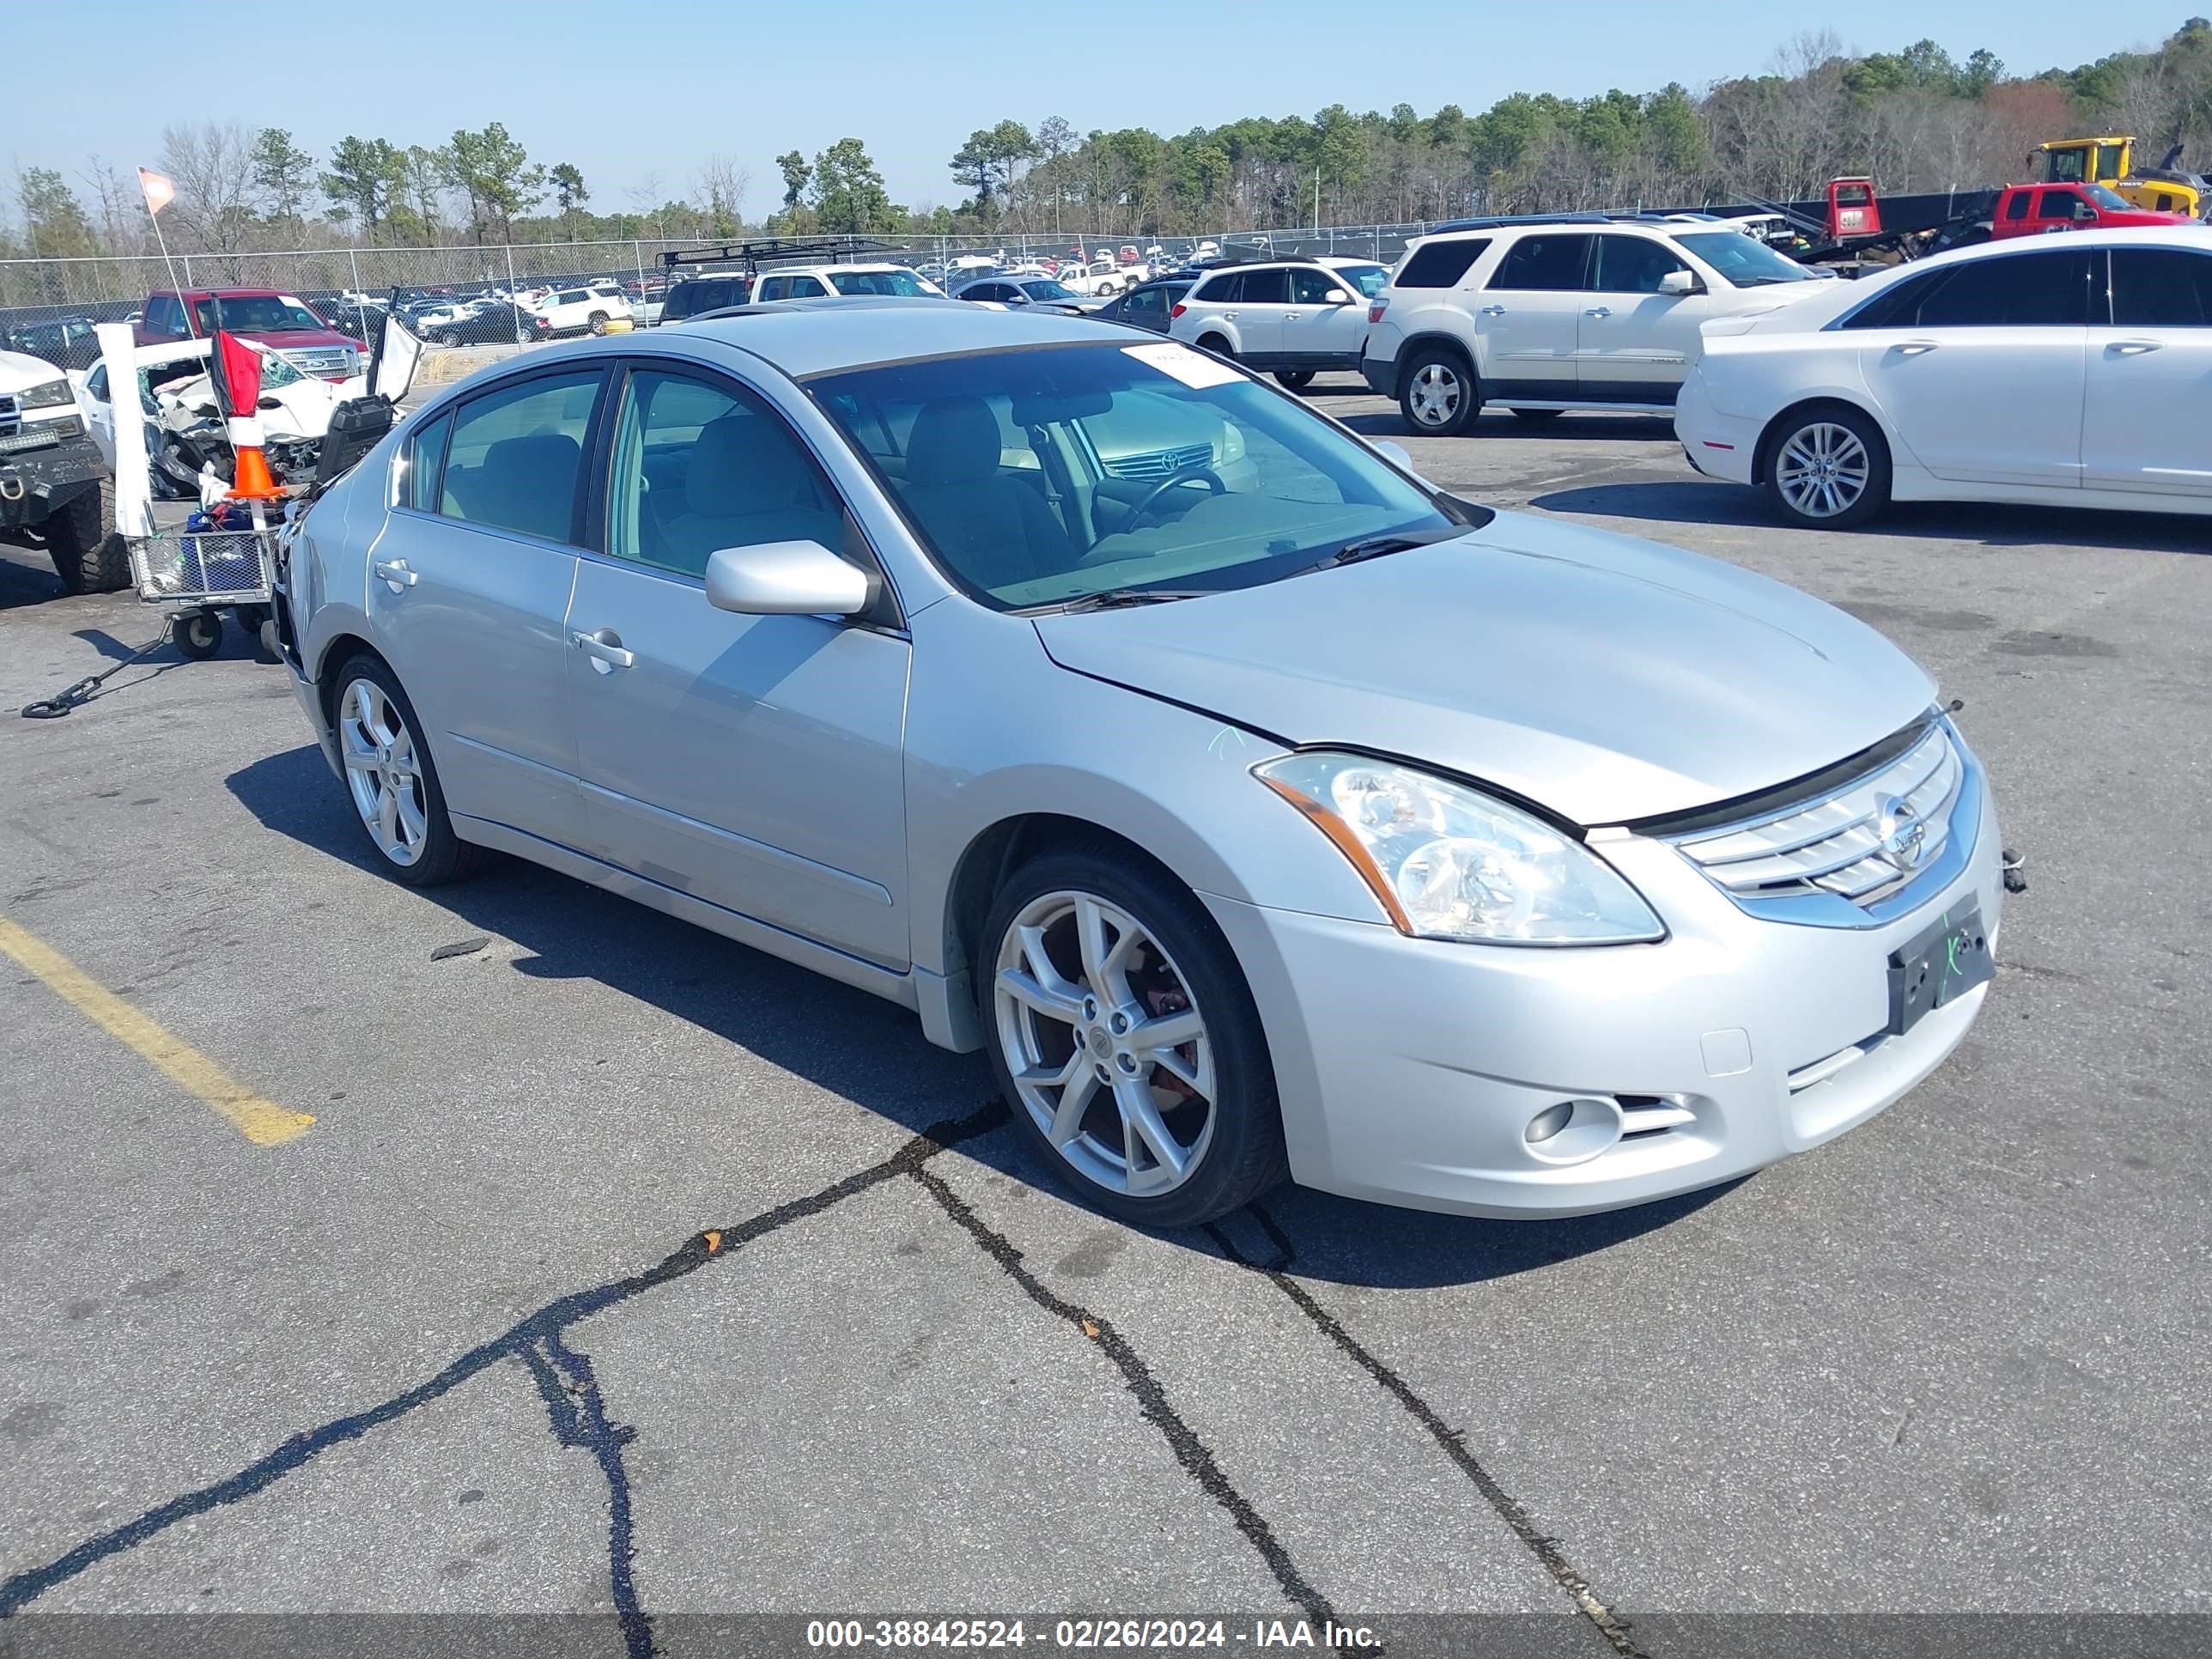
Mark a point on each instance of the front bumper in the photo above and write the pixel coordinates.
(1409, 1069)
(35, 483)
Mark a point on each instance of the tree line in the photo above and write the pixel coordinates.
(1915, 119)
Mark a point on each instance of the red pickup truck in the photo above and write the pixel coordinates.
(276, 318)
(2033, 209)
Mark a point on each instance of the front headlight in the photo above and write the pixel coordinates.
(1447, 862)
(47, 394)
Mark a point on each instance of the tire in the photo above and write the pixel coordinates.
(1439, 396)
(1855, 486)
(89, 556)
(1538, 416)
(1232, 1141)
(598, 322)
(199, 635)
(253, 621)
(449, 340)
(1296, 379)
(438, 855)
(1219, 346)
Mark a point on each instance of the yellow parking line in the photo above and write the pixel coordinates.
(263, 1122)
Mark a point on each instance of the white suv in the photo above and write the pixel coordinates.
(588, 306)
(820, 282)
(1297, 316)
(1559, 315)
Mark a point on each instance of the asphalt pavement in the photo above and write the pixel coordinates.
(623, 1271)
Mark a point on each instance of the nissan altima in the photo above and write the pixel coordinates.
(1285, 820)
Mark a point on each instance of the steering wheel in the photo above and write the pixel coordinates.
(1204, 472)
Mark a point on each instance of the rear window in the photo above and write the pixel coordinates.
(1543, 264)
(1441, 264)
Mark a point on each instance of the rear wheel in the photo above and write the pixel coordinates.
(198, 636)
(392, 779)
(1439, 396)
(88, 556)
(1125, 1039)
(1827, 468)
(598, 322)
(1216, 344)
(449, 339)
(1297, 379)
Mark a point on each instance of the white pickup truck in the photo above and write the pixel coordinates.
(49, 478)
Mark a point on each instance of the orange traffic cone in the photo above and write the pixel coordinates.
(252, 481)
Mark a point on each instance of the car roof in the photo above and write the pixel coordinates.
(810, 337)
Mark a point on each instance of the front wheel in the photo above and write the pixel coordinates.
(88, 556)
(197, 636)
(1828, 469)
(392, 779)
(1439, 397)
(1124, 1037)
(449, 339)
(598, 322)
(1294, 380)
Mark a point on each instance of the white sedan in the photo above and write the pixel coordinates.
(2066, 371)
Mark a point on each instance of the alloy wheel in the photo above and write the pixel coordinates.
(1108, 1050)
(1435, 395)
(1822, 469)
(382, 773)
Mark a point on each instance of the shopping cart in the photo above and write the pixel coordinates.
(199, 574)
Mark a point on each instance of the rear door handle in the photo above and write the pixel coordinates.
(1599, 311)
(604, 648)
(2135, 348)
(1916, 347)
(395, 573)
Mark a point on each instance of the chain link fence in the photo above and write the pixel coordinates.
(48, 307)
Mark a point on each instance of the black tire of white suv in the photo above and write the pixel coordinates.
(1438, 395)
(88, 558)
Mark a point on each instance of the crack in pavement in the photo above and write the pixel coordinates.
(571, 1392)
(1508, 1507)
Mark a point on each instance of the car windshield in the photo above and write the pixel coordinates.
(2107, 199)
(1046, 290)
(263, 311)
(900, 284)
(1746, 261)
(1370, 280)
(1048, 475)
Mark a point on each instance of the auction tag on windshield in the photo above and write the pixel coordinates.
(1193, 368)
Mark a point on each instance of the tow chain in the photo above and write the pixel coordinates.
(75, 697)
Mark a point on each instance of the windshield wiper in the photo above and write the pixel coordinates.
(1116, 598)
(1370, 547)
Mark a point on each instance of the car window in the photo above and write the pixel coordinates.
(1309, 287)
(516, 454)
(2161, 287)
(2046, 287)
(700, 466)
(807, 288)
(2056, 204)
(95, 384)
(1543, 264)
(1441, 264)
(419, 463)
(1264, 287)
(1217, 290)
(2017, 207)
(1364, 280)
(1143, 302)
(1632, 264)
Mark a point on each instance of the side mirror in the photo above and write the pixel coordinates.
(1679, 282)
(1337, 296)
(1395, 453)
(785, 579)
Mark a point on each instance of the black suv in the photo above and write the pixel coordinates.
(694, 294)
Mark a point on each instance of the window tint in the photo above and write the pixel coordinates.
(516, 453)
(807, 288)
(95, 384)
(2047, 289)
(2161, 287)
(1543, 263)
(2017, 207)
(700, 466)
(1144, 302)
(1312, 288)
(1217, 290)
(2056, 204)
(1264, 287)
(1440, 264)
(419, 463)
(1631, 264)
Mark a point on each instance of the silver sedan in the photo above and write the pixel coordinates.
(1290, 818)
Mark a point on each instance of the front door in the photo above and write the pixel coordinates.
(2146, 422)
(752, 762)
(1327, 321)
(1633, 343)
(1529, 318)
(1980, 367)
(468, 594)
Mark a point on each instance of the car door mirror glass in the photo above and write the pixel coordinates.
(1681, 283)
(785, 579)
(1337, 296)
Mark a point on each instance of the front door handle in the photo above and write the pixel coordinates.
(604, 648)
(1290, 316)
(1491, 311)
(1599, 311)
(1916, 347)
(2135, 348)
(395, 573)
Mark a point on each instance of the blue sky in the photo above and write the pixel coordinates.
(661, 84)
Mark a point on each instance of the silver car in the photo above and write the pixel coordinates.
(1295, 819)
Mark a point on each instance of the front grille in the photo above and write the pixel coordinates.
(9, 414)
(1160, 463)
(324, 363)
(1834, 842)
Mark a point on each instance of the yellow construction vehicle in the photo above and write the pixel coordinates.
(2110, 160)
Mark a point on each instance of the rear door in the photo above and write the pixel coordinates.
(1980, 365)
(1262, 295)
(1633, 343)
(1530, 319)
(468, 594)
(2147, 420)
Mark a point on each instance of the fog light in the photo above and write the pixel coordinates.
(1549, 1121)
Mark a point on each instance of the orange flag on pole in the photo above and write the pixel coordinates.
(160, 191)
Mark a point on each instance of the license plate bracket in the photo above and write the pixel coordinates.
(1941, 964)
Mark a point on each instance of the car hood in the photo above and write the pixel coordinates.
(1606, 678)
(20, 371)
